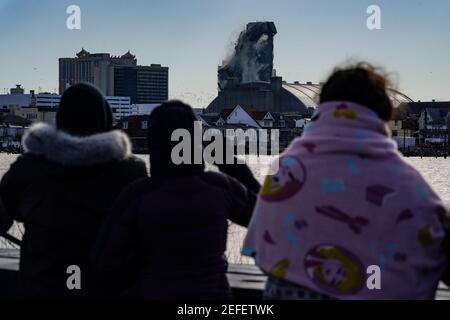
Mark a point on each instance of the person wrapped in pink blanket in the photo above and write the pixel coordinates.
(345, 216)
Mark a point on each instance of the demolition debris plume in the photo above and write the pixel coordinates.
(252, 58)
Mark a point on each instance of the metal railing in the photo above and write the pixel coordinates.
(13, 238)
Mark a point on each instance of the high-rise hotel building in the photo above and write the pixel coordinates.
(116, 76)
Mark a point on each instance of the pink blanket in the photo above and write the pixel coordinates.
(342, 200)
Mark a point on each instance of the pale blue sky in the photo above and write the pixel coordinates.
(193, 36)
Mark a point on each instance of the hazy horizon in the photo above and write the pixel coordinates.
(193, 37)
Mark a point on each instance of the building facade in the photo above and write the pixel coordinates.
(135, 127)
(143, 84)
(12, 129)
(46, 100)
(278, 96)
(116, 76)
(428, 121)
(96, 68)
(43, 106)
(247, 78)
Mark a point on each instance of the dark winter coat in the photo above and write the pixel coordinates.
(172, 232)
(61, 188)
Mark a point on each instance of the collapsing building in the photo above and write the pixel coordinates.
(247, 78)
(252, 59)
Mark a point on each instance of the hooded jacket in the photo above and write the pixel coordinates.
(166, 235)
(344, 204)
(170, 230)
(61, 188)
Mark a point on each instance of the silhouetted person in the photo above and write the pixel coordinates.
(62, 187)
(344, 199)
(171, 228)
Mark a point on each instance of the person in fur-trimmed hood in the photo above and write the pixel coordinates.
(62, 187)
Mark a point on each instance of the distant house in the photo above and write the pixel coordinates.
(263, 118)
(403, 131)
(210, 120)
(12, 128)
(227, 118)
(434, 124)
(434, 118)
(289, 125)
(10, 120)
(136, 128)
(29, 113)
(404, 128)
(396, 127)
(425, 121)
(35, 114)
(47, 114)
(242, 116)
(250, 118)
(416, 108)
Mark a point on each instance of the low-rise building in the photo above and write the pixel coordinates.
(404, 129)
(35, 114)
(136, 128)
(434, 124)
(434, 119)
(427, 121)
(27, 104)
(12, 128)
(289, 125)
(29, 113)
(47, 115)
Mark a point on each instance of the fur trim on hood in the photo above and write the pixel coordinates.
(58, 146)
